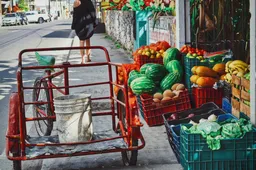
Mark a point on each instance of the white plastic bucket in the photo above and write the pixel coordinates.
(74, 118)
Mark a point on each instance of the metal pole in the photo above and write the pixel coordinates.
(253, 61)
(0, 12)
(49, 11)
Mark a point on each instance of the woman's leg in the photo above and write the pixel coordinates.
(82, 50)
(88, 51)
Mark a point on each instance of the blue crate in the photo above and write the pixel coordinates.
(175, 130)
(226, 105)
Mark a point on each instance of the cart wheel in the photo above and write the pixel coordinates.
(129, 157)
(43, 127)
(16, 165)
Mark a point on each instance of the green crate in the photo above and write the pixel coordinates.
(195, 154)
(218, 165)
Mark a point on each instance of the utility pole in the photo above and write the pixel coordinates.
(0, 12)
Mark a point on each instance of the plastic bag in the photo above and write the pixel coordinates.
(209, 128)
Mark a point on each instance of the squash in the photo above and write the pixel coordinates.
(206, 81)
(219, 68)
(203, 71)
(193, 70)
(193, 78)
(222, 77)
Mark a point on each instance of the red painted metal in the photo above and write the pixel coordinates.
(40, 118)
(12, 144)
(127, 135)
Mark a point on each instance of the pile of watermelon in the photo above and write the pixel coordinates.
(154, 78)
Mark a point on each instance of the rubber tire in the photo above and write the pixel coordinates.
(16, 164)
(40, 20)
(49, 112)
(129, 157)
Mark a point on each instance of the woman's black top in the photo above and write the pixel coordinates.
(84, 19)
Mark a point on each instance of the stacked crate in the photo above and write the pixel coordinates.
(240, 96)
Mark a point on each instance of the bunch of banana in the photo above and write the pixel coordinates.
(236, 67)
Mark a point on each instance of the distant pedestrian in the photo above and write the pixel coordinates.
(84, 23)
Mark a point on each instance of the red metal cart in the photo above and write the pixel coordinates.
(20, 146)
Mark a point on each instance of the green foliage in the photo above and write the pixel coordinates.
(23, 5)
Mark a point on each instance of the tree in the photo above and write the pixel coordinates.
(23, 5)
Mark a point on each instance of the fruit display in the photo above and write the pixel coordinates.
(171, 54)
(156, 77)
(206, 77)
(193, 52)
(236, 67)
(169, 94)
(154, 50)
(120, 76)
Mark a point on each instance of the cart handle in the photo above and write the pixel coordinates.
(62, 49)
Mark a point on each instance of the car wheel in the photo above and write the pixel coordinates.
(40, 20)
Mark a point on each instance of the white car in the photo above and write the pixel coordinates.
(34, 16)
(11, 19)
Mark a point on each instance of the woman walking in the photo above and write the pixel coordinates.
(84, 22)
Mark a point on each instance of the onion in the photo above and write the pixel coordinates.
(212, 118)
(191, 115)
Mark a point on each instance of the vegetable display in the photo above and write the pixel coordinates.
(142, 85)
(169, 80)
(155, 72)
(174, 66)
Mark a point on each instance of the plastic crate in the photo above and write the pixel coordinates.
(227, 91)
(143, 59)
(152, 114)
(175, 141)
(226, 105)
(205, 95)
(234, 154)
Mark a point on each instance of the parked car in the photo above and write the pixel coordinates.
(23, 18)
(34, 16)
(10, 19)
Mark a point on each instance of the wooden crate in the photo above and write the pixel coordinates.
(244, 108)
(235, 112)
(245, 83)
(236, 92)
(235, 104)
(236, 80)
(245, 95)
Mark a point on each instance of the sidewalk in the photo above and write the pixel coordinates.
(157, 154)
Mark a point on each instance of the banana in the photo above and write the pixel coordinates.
(238, 62)
(228, 76)
(239, 69)
(240, 74)
(227, 64)
(235, 72)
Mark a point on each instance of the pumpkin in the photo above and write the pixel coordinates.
(205, 81)
(203, 71)
(193, 78)
(219, 68)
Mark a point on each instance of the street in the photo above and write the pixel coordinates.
(157, 154)
(14, 39)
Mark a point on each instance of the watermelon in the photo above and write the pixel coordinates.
(142, 85)
(169, 80)
(133, 72)
(174, 66)
(155, 72)
(144, 67)
(133, 77)
(171, 54)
